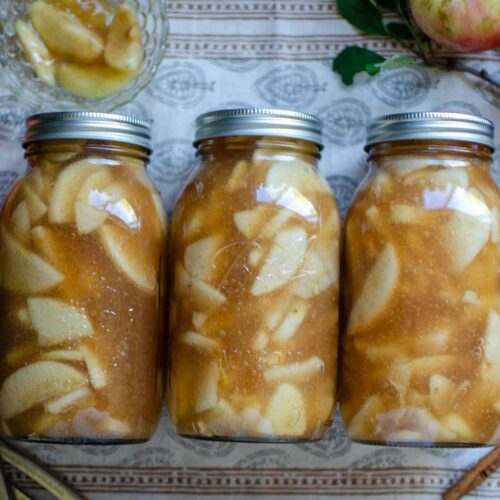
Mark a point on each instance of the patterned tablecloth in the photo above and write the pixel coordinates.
(228, 53)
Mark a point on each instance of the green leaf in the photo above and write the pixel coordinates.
(399, 31)
(354, 60)
(364, 15)
(395, 62)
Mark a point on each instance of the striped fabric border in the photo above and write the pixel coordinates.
(234, 481)
(254, 10)
(285, 47)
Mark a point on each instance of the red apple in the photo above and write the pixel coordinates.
(462, 25)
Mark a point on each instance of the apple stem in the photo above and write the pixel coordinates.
(426, 53)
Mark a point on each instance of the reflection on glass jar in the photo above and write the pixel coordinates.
(421, 287)
(254, 306)
(81, 252)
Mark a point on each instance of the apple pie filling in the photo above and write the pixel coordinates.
(421, 286)
(254, 307)
(82, 251)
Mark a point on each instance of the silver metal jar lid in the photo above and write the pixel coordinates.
(88, 125)
(258, 122)
(430, 125)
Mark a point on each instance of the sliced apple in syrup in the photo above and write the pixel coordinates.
(20, 223)
(287, 411)
(377, 290)
(283, 261)
(130, 256)
(63, 403)
(199, 257)
(57, 322)
(64, 33)
(92, 81)
(467, 235)
(98, 376)
(91, 202)
(23, 271)
(124, 51)
(66, 188)
(36, 383)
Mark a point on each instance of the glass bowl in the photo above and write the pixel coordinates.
(18, 76)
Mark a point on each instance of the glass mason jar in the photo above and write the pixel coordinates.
(421, 343)
(82, 248)
(254, 307)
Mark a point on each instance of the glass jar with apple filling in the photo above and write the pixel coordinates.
(420, 346)
(254, 305)
(82, 242)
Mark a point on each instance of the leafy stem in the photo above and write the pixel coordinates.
(368, 17)
(402, 11)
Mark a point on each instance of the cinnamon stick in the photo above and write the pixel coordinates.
(475, 476)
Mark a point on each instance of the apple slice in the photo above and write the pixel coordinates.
(261, 341)
(495, 221)
(92, 81)
(319, 272)
(57, 322)
(199, 257)
(377, 290)
(471, 297)
(282, 261)
(20, 223)
(253, 423)
(63, 355)
(276, 313)
(63, 403)
(203, 296)
(363, 423)
(255, 256)
(36, 383)
(23, 316)
(114, 427)
(39, 183)
(44, 424)
(406, 214)
(93, 13)
(207, 394)
(124, 51)
(276, 222)
(36, 52)
(299, 371)
(199, 319)
(45, 243)
(91, 202)
(36, 206)
(296, 174)
(200, 341)
(129, 256)
(467, 235)
(250, 222)
(455, 424)
(287, 412)
(441, 391)
(64, 33)
(455, 176)
(490, 369)
(98, 376)
(66, 188)
(37, 275)
(292, 322)
(238, 180)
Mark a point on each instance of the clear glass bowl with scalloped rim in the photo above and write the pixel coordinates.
(19, 77)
